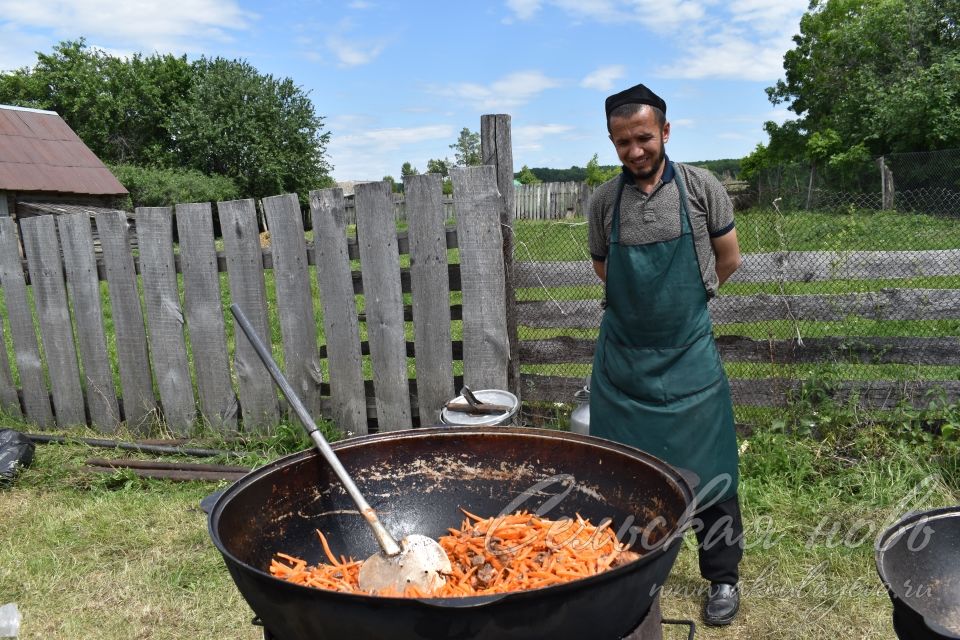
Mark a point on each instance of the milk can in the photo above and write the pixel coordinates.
(580, 418)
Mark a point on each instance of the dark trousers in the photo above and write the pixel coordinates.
(719, 532)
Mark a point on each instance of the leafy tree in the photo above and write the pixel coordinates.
(869, 77)
(119, 108)
(408, 170)
(394, 186)
(154, 187)
(219, 117)
(259, 130)
(596, 174)
(527, 176)
(467, 149)
(439, 166)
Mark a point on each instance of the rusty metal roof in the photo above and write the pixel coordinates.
(39, 152)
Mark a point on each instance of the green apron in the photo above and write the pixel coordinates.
(657, 381)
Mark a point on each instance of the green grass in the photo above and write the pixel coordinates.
(116, 557)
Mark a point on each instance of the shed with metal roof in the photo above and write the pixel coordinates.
(43, 160)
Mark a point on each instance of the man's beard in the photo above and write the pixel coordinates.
(655, 165)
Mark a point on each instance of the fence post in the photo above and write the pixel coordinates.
(887, 191)
(496, 148)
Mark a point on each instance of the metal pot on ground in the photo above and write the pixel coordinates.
(426, 476)
(918, 560)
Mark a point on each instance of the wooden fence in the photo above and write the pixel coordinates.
(543, 201)
(170, 331)
(891, 304)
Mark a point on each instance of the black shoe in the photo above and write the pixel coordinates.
(723, 602)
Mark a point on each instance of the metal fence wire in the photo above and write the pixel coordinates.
(850, 284)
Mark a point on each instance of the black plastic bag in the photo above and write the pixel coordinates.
(16, 452)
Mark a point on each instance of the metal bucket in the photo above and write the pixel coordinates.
(489, 396)
(580, 417)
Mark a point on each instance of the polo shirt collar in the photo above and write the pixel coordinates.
(668, 172)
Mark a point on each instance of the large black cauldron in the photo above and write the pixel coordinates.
(418, 481)
(918, 560)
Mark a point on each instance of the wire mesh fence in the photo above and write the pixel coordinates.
(850, 284)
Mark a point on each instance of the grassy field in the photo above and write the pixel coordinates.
(117, 557)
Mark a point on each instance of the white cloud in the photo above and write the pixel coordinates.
(182, 26)
(535, 137)
(728, 55)
(683, 123)
(17, 49)
(732, 39)
(392, 138)
(352, 53)
(604, 78)
(509, 92)
(360, 5)
(524, 9)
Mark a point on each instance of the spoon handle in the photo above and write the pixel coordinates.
(386, 541)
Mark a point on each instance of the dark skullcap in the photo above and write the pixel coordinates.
(638, 94)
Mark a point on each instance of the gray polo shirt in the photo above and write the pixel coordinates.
(655, 218)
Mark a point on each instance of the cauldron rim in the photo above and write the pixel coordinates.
(663, 546)
(888, 539)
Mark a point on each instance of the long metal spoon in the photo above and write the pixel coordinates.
(417, 560)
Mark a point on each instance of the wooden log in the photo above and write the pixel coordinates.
(50, 296)
(139, 403)
(885, 304)
(176, 475)
(430, 285)
(204, 315)
(291, 274)
(816, 266)
(26, 349)
(84, 289)
(847, 349)
(778, 266)
(161, 296)
(131, 463)
(241, 239)
(496, 147)
(776, 392)
(341, 326)
(383, 302)
(486, 345)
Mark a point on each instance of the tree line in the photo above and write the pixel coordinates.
(866, 78)
(164, 123)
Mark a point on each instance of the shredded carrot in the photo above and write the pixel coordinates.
(487, 555)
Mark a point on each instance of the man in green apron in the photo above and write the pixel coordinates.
(662, 239)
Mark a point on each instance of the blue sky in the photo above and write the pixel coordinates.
(397, 81)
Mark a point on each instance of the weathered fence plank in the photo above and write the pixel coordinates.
(816, 266)
(139, 404)
(9, 400)
(776, 392)
(291, 274)
(341, 327)
(486, 348)
(241, 239)
(496, 146)
(84, 288)
(430, 286)
(165, 321)
(791, 266)
(847, 349)
(380, 266)
(204, 314)
(50, 296)
(36, 399)
(886, 304)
